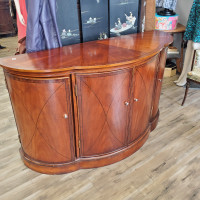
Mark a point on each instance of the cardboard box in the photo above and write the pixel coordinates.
(170, 69)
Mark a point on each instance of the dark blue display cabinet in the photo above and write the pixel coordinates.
(87, 20)
(68, 21)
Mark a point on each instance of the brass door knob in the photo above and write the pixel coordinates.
(65, 116)
(126, 103)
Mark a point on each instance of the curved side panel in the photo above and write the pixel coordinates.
(144, 79)
(158, 85)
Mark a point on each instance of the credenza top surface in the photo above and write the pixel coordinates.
(101, 53)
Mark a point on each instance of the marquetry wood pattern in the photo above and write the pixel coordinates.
(100, 97)
(166, 167)
(144, 78)
(35, 120)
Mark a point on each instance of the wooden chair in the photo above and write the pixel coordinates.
(192, 76)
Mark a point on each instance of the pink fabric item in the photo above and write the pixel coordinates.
(21, 27)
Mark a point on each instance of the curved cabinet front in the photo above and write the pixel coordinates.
(85, 116)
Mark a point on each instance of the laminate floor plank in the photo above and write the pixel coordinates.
(167, 167)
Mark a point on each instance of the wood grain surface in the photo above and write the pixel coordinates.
(90, 55)
(40, 107)
(100, 98)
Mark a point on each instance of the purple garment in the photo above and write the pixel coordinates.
(42, 31)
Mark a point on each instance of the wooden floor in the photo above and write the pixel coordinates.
(11, 45)
(167, 167)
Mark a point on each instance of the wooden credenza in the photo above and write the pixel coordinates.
(86, 105)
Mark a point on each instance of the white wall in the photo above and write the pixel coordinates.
(183, 10)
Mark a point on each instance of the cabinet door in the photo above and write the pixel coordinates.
(144, 80)
(43, 115)
(103, 111)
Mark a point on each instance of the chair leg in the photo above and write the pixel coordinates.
(186, 91)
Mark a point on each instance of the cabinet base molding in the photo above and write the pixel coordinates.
(154, 121)
(92, 162)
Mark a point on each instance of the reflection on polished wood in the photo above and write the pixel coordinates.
(86, 105)
(121, 50)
